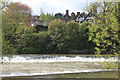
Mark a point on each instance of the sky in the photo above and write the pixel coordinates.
(55, 6)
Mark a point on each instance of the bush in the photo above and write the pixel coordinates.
(84, 36)
(14, 39)
(67, 37)
(56, 29)
(71, 36)
(25, 29)
(36, 43)
(41, 28)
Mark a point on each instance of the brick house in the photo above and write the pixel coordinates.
(79, 17)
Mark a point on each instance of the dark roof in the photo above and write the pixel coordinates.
(36, 18)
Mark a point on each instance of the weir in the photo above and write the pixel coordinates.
(56, 58)
(41, 65)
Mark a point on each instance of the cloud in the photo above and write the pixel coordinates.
(54, 6)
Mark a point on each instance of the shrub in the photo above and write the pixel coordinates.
(71, 36)
(36, 43)
(56, 29)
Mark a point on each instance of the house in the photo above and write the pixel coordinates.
(36, 21)
(79, 17)
(39, 24)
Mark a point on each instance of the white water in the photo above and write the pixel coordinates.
(56, 59)
(53, 58)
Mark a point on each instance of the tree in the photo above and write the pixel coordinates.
(71, 36)
(68, 37)
(56, 29)
(58, 16)
(36, 43)
(3, 4)
(84, 37)
(20, 13)
(46, 17)
(105, 31)
(12, 17)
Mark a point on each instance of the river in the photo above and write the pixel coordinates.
(56, 66)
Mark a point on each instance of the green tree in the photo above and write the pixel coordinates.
(46, 17)
(20, 40)
(58, 16)
(12, 18)
(3, 4)
(71, 36)
(84, 37)
(68, 37)
(36, 43)
(56, 28)
(105, 31)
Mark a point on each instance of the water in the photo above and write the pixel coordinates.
(97, 75)
(55, 58)
(54, 65)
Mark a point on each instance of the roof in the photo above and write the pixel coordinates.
(36, 18)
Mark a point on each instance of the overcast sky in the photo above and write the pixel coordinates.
(55, 6)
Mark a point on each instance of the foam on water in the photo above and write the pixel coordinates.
(50, 58)
(56, 59)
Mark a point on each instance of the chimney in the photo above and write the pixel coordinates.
(72, 16)
(67, 12)
(67, 15)
(78, 13)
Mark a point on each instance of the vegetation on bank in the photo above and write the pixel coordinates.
(105, 31)
(102, 34)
